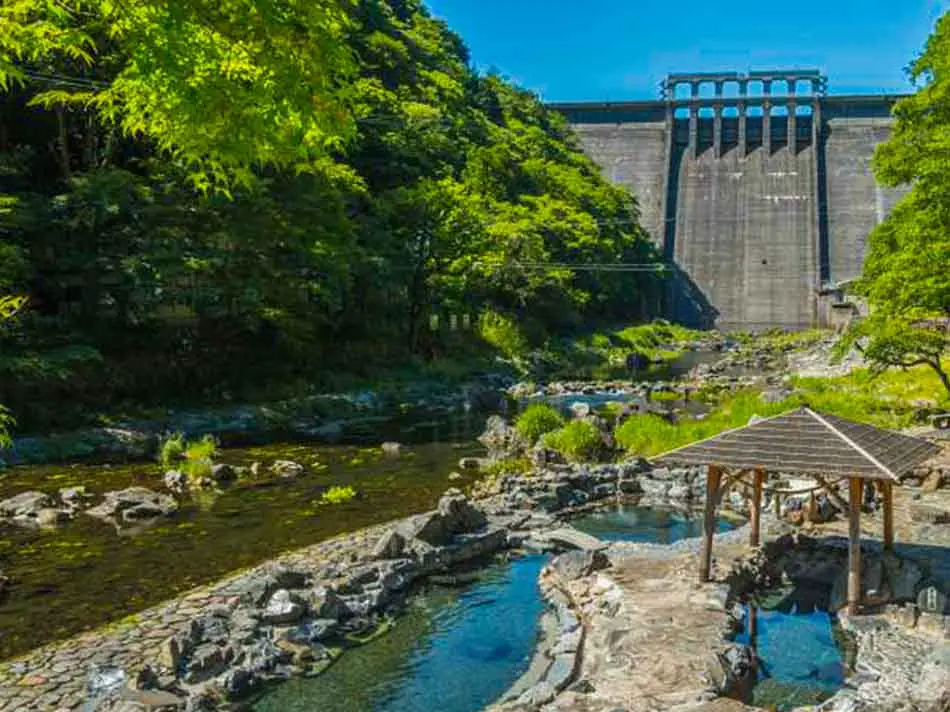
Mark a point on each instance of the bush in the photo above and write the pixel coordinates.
(578, 441)
(536, 420)
(198, 456)
(172, 450)
(338, 495)
(503, 333)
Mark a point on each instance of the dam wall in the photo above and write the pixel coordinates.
(761, 204)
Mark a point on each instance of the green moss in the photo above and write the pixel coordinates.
(537, 420)
(665, 396)
(578, 441)
(508, 466)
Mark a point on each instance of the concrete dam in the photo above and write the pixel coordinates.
(756, 187)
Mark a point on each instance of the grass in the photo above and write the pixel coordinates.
(578, 441)
(886, 401)
(195, 458)
(602, 353)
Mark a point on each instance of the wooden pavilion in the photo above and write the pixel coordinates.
(805, 442)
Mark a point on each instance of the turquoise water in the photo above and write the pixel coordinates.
(455, 650)
(803, 653)
(630, 522)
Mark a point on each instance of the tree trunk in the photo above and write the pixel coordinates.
(62, 141)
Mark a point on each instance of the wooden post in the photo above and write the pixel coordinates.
(888, 488)
(758, 479)
(713, 476)
(854, 545)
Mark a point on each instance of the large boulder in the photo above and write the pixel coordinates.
(460, 515)
(25, 504)
(501, 440)
(134, 504)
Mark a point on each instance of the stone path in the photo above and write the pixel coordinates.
(55, 677)
(653, 636)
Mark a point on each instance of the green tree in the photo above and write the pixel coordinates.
(9, 306)
(224, 85)
(905, 277)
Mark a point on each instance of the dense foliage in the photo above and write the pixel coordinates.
(536, 420)
(905, 277)
(383, 203)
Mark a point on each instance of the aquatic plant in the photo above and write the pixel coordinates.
(338, 495)
(195, 459)
(578, 441)
(537, 420)
(171, 450)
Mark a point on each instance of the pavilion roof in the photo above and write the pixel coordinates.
(804, 441)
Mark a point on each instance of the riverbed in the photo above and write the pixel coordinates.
(86, 573)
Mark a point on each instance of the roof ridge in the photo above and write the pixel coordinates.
(860, 450)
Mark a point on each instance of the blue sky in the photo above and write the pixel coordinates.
(615, 50)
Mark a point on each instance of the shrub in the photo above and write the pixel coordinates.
(338, 495)
(537, 420)
(578, 441)
(172, 450)
(503, 333)
(198, 456)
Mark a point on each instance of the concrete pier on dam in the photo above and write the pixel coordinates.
(757, 188)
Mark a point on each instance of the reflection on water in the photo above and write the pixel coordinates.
(654, 525)
(84, 574)
(455, 650)
(803, 654)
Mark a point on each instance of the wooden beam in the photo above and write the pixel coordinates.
(759, 478)
(713, 476)
(888, 488)
(854, 545)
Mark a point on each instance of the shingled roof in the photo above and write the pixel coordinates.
(804, 441)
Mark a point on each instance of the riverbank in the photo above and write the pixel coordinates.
(219, 643)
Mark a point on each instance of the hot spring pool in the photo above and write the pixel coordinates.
(626, 521)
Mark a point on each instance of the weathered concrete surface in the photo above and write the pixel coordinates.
(746, 233)
(633, 155)
(757, 233)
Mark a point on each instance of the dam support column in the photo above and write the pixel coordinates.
(717, 130)
(767, 127)
(741, 148)
(792, 139)
(693, 130)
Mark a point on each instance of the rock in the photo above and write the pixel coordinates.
(933, 482)
(49, 518)
(501, 440)
(577, 564)
(132, 504)
(287, 468)
(176, 481)
(580, 409)
(391, 545)
(25, 504)
(391, 449)
(539, 695)
(929, 514)
(325, 604)
(934, 681)
(455, 476)
(221, 473)
(207, 661)
(470, 463)
(283, 607)
(428, 528)
(74, 498)
(933, 600)
(574, 539)
(459, 515)
(104, 681)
